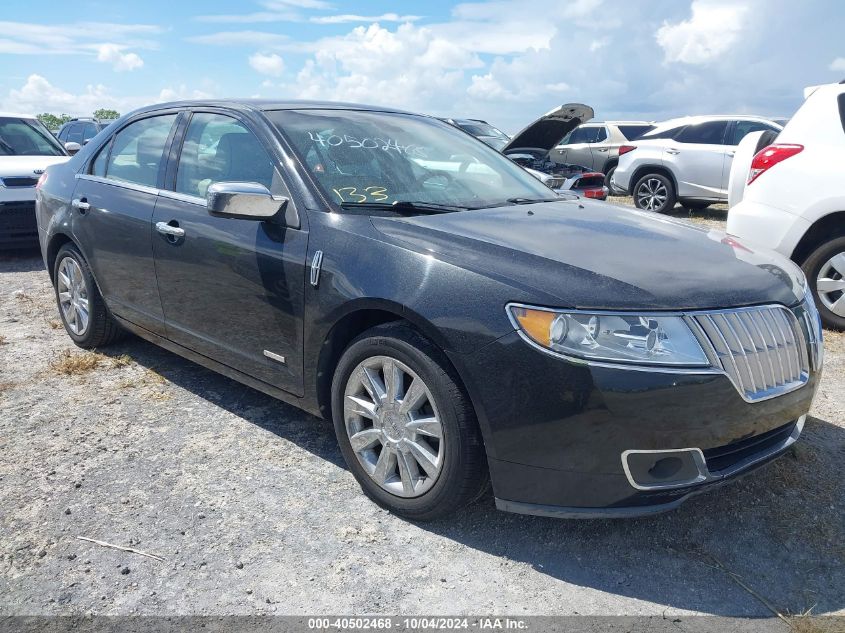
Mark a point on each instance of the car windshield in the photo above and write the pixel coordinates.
(27, 137)
(381, 159)
(483, 129)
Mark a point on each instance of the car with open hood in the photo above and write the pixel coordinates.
(458, 321)
(26, 149)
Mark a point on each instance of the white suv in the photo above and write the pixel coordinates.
(27, 148)
(686, 160)
(793, 200)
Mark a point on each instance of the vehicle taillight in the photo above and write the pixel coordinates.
(770, 156)
(624, 149)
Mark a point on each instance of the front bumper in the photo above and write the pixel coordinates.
(556, 432)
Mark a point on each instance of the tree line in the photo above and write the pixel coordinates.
(55, 121)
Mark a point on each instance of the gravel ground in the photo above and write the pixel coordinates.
(249, 505)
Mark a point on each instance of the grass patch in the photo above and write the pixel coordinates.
(69, 363)
(54, 324)
(2, 340)
(124, 360)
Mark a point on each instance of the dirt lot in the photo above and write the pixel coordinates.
(249, 505)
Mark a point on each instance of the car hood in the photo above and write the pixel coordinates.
(27, 165)
(592, 255)
(544, 133)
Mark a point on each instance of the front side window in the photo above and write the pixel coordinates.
(379, 158)
(27, 137)
(742, 128)
(708, 133)
(138, 150)
(89, 131)
(218, 148)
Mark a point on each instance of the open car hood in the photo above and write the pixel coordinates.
(544, 133)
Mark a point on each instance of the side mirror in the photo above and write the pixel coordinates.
(72, 147)
(243, 201)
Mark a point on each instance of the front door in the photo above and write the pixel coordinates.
(113, 207)
(231, 290)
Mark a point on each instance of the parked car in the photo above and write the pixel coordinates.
(79, 131)
(26, 149)
(482, 130)
(686, 160)
(452, 316)
(793, 198)
(560, 177)
(596, 144)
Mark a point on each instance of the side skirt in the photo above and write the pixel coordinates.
(220, 368)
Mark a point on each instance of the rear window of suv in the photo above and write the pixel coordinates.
(632, 132)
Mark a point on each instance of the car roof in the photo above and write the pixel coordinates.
(701, 118)
(17, 115)
(271, 104)
(619, 123)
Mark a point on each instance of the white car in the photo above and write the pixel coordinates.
(27, 148)
(793, 200)
(687, 160)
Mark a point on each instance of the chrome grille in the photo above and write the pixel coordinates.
(762, 350)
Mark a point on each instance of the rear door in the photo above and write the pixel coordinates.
(231, 289)
(697, 158)
(114, 201)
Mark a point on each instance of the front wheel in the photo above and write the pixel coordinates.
(825, 271)
(406, 428)
(654, 192)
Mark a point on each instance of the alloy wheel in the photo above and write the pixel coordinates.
(830, 284)
(652, 194)
(73, 296)
(393, 426)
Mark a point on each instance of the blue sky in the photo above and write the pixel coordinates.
(506, 61)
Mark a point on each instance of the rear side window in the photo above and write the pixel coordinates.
(138, 150)
(708, 133)
(585, 135)
(742, 128)
(632, 132)
(218, 148)
(661, 134)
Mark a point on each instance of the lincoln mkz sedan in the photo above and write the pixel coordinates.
(459, 322)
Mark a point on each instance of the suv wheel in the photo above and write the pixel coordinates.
(607, 178)
(654, 192)
(825, 271)
(406, 429)
(84, 314)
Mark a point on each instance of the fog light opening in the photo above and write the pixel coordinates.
(666, 468)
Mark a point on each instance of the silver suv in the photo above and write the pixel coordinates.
(687, 160)
(596, 144)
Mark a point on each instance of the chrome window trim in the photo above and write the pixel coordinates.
(183, 197)
(123, 184)
(688, 316)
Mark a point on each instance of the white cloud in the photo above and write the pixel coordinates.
(80, 38)
(487, 88)
(838, 64)
(180, 93)
(711, 31)
(385, 17)
(239, 38)
(272, 65)
(274, 11)
(120, 61)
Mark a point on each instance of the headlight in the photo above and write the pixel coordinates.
(645, 339)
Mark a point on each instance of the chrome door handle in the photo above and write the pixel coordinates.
(672, 150)
(730, 153)
(80, 205)
(601, 149)
(172, 231)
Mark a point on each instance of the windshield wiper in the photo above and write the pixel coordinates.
(7, 147)
(405, 205)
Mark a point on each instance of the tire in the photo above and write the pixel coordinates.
(821, 265)
(654, 192)
(607, 178)
(455, 471)
(75, 287)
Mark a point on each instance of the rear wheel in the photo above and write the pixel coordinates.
(406, 429)
(607, 178)
(81, 307)
(654, 192)
(825, 271)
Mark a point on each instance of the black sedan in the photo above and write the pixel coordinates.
(458, 321)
